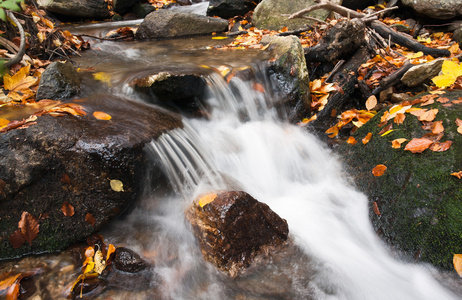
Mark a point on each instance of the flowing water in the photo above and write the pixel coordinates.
(247, 145)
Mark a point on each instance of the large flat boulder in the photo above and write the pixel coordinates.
(416, 205)
(272, 14)
(77, 8)
(65, 177)
(163, 24)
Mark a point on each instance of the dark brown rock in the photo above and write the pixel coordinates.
(128, 261)
(234, 228)
(229, 8)
(59, 81)
(77, 8)
(74, 159)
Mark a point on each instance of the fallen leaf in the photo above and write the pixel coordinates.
(333, 131)
(437, 127)
(386, 128)
(100, 264)
(258, 87)
(379, 170)
(396, 144)
(443, 100)
(371, 102)
(117, 185)
(29, 226)
(367, 138)
(440, 147)
(207, 199)
(111, 249)
(67, 209)
(101, 115)
(65, 179)
(103, 77)
(375, 208)
(351, 140)
(418, 145)
(17, 239)
(449, 73)
(459, 125)
(457, 174)
(90, 219)
(3, 122)
(399, 119)
(13, 292)
(457, 260)
(428, 115)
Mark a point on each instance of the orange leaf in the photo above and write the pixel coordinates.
(371, 102)
(67, 209)
(101, 115)
(258, 87)
(457, 174)
(351, 140)
(457, 260)
(111, 249)
(4, 284)
(440, 147)
(29, 226)
(437, 127)
(90, 219)
(367, 138)
(443, 100)
(428, 115)
(399, 119)
(333, 131)
(459, 125)
(13, 292)
(207, 199)
(379, 170)
(396, 144)
(3, 122)
(418, 145)
(375, 208)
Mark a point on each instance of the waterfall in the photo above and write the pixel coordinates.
(289, 169)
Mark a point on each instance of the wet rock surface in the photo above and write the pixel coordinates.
(229, 8)
(234, 228)
(64, 162)
(58, 81)
(163, 24)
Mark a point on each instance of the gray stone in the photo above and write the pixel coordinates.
(163, 24)
(230, 8)
(438, 9)
(77, 8)
(58, 81)
(269, 14)
(421, 73)
(289, 75)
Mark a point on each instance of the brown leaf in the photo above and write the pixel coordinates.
(13, 125)
(418, 145)
(459, 125)
(90, 219)
(457, 260)
(375, 208)
(437, 127)
(399, 119)
(102, 115)
(386, 128)
(443, 100)
(367, 138)
(67, 209)
(17, 239)
(440, 147)
(433, 137)
(379, 170)
(29, 226)
(2, 187)
(428, 115)
(66, 179)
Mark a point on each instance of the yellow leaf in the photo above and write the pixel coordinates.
(90, 267)
(387, 132)
(100, 264)
(101, 115)
(396, 144)
(3, 122)
(117, 185)
(219, 37)
(103, 77)
(457, 260)
(371, 102)
(449, 73)
(207, 199)
(414, 55)
(424, 40)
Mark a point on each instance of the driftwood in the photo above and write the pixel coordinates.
(22, 48)
(392, 79)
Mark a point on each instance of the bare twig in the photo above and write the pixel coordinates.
(22, 47)
(334, 70)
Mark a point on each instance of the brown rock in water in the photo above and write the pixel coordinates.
(234, 228)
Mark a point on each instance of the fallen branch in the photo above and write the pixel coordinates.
(392, 79)
(22, 47)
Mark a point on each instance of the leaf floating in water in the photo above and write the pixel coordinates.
(117, 185)
(100, 264)
(207, 199)
(101, 115)
(457, 260)
(379, 170)
(219, 38)
(103, 77)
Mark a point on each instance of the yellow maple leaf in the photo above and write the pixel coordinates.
(449, 73)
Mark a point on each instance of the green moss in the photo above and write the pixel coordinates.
(419, 201)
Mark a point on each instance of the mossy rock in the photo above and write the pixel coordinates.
(418, 203)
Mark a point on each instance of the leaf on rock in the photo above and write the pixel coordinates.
(351, 140)
(13, 292)
(333, 131)
(440, 147)
(457, 174)
(418, 145)
(428, 115)
(207, 199)
(90, 219)
(110, 249)
(437, 127)
(449, 73)
(371, 102)
(29, 226)
(457, 260)
(17, 239)
(67, 209)
(3, 122)
(103, 77)
(117, 185)
(396, 144)
(367, 138)
(375, 208)
(100, 264)
(379, 170)
(459, 125)
(101, 115)
(399, 119)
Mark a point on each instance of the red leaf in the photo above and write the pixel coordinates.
(67, 209)
(418, 145)
(29, 226)
(90, 219)
(17, 239)
(440, 147)
(375, 208)
(379, 170)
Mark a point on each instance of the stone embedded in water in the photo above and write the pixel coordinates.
(234, 228)
(162, 24)
(59, 81)
(128, 261)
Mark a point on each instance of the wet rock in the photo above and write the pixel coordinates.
(77, 8)
(123, 6)
(141, 10)
(163, 24)
(421, 73)
(438, 9)
(229, 8)
(289, 75)
(457, 34)
(416, 205)
(269, 14)
(357, 4)
(59, 81)
(75, 159)
(128, 261)
(179, 92)
(234, 228)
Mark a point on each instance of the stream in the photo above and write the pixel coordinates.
(244, 145)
